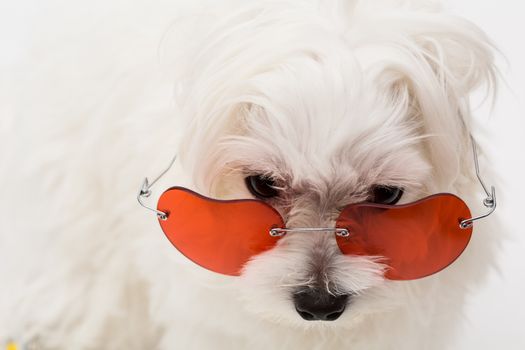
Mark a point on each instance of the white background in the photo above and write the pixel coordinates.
(497, 314)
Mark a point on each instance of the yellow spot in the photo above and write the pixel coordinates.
(11, 346)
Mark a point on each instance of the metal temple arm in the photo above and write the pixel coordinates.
(145, 191)
(489, 201)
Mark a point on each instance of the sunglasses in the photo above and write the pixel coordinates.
(414, 240)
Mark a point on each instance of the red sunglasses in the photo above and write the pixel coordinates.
(415, 239)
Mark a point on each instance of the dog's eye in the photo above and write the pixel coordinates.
(261, 187)
(386, 194)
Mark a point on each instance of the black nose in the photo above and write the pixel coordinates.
(319, 305)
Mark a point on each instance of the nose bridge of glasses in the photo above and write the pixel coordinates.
(278, 232)
(315, 221)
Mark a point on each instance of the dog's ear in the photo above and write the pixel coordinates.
(436, 60)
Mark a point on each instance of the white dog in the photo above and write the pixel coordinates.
(307, 105)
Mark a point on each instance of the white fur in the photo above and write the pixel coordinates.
(326, 97)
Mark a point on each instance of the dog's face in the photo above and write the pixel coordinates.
(310, 116)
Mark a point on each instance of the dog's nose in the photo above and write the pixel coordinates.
(319, 305)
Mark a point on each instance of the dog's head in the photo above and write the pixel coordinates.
(311, 108)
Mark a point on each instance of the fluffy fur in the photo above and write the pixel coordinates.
(326, 97)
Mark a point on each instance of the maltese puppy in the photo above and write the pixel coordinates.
(317, 144)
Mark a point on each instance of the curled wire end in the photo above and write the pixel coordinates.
(144, 189)
(464, 224)
(343, 233)
(489, 202)
(145, 192)
(277, 232)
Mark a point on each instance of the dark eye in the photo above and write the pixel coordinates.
(261, 187)
(386, 194)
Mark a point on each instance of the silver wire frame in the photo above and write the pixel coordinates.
(489, 202)
(145, 191)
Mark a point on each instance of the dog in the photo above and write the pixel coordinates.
(307, 106)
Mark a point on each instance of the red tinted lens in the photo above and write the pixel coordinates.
(417, 239)
(219, 235)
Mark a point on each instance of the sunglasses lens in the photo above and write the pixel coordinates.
(219, 235)
(416, 239)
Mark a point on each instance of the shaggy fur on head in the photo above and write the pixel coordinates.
(327, 98)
